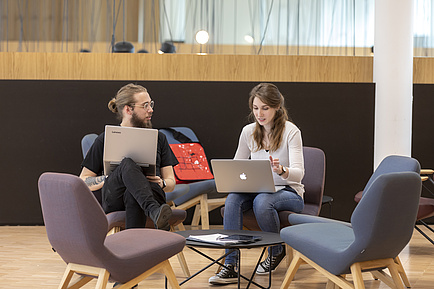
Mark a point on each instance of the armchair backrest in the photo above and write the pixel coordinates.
(188, 132)
(75, 223)
(394, 163)
(314, 179)
(86, 142)
(383, 221)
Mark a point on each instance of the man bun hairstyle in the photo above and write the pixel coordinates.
(112, 105)
(125, 96)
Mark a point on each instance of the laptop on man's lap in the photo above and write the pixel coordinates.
(139, 144)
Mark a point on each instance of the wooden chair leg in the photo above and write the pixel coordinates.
(180, 255)
(180, 227)
(356, 272)
(388, 279)
(164, 267)
(393, 269)
(183, 263)
(204, 214)
(201, 213)
(80, 282)
(331, 285)
(102, 280)
(402, 272)
(289, 254)
(196, 216)
(381, 275)
(171, 277)
(114, 230)
(72, 268)
(339, 280)
(66, 278)
(290, 273)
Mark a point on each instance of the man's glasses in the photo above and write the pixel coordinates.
(146, 106)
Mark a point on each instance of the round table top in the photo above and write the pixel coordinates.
(268, 239)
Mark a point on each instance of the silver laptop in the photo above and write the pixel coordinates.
(140, 144)
(243, 176)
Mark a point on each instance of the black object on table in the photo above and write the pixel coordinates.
(267, 239)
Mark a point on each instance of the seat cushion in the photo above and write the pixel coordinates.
(179, 191)
(134, 251)
(197, 188)
(325, 244)
(116, 219)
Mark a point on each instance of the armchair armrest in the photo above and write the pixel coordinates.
(426, 171)
(179, 191)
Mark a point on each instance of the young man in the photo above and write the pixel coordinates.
(127, 188)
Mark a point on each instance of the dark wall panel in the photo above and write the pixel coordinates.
(423, 138)
(44, 121)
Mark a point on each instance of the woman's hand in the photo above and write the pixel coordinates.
(275, 165)
(278, 168)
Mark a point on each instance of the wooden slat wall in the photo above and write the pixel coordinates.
(423, 70)
(192, 67)
(184, 67)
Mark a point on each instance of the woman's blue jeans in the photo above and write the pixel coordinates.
(265, 206)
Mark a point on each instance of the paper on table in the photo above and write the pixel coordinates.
(212, 238)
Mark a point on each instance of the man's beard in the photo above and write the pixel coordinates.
(137, 122)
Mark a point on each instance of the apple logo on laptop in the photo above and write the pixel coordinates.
(243, 176)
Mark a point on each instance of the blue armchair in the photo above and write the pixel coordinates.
(381, 226)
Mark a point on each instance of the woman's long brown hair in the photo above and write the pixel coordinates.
(269, 94)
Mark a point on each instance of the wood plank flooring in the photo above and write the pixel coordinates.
(27, 261)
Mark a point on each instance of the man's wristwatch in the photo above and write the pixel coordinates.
(283, 170)
(164, 183)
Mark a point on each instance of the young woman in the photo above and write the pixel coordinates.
(271, 136)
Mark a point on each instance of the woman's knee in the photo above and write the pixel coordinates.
(263, 201)
(232, 199)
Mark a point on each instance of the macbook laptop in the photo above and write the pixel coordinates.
(140, 144)
(243, 176)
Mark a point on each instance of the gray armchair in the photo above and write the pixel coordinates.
(116, 220)
(426, 204)
(381, 226)
(77, 229)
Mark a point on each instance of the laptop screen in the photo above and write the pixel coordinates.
(139, 144)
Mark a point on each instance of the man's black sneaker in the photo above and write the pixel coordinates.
(161, 217)
(264, 266)
(225, 276)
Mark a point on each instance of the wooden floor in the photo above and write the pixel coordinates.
(27, 261)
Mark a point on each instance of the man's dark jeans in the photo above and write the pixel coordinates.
(127, 189)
